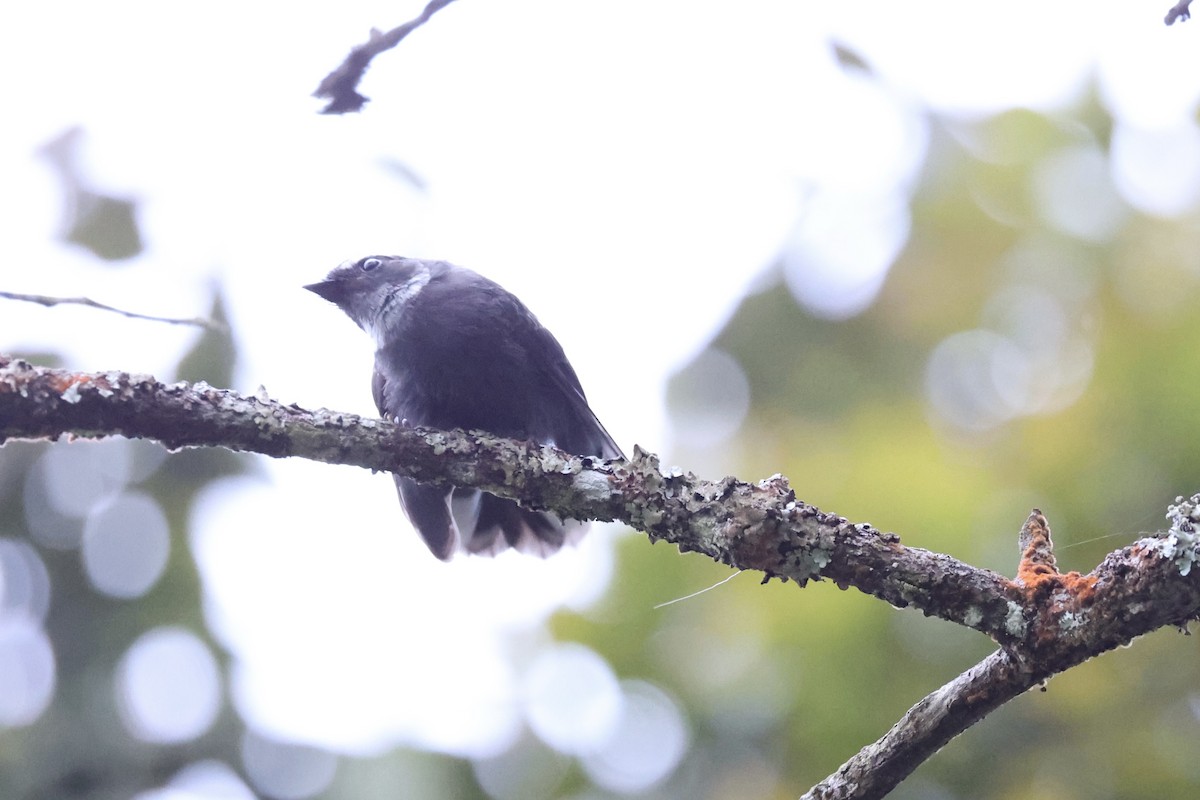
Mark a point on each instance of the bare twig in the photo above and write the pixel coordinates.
(1045, 621)
(340, 87)
(925, 728)
(1058, 601)
(44, 300)
(1179, 11)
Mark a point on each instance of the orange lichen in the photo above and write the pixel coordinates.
(1038, 581)
(1030, 575)
(1037, 551)
(1082, 588)
(63, 382)
(1053, 596)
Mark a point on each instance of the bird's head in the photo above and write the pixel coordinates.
(375, 291)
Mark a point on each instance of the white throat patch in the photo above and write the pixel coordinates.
(389, 303)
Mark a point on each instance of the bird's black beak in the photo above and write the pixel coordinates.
(333, 291)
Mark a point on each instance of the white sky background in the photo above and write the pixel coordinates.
(627, 168)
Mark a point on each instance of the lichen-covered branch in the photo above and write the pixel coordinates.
(1045, 621)
(760, 526)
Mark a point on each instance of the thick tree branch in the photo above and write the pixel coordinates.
(758, 526)
(1045, 621)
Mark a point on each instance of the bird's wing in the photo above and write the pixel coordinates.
(378, 387)
(584, 434)
(427, 507)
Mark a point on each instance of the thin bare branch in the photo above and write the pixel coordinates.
(926, 728)
(1058, 601)
(44, 300)
(340, 87)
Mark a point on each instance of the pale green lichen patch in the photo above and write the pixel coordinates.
(592, 484)
(1014, 622)
(71, 395)
(973, 616)
(1179, 543)
(1070, 621)
(810, 562)
(554, 463)
(268, 422)
(650, 517)
(908, 593)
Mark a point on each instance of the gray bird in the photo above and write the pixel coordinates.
(455, 350)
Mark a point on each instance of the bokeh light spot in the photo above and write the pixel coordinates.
(841, 251)
(1033, 359)
(572, 699)
(80, 474)
(650, 740)
(529, 770)
(203, 780)
(974, 378)
(24, 582)
(125, 545)
(27, 672)
(284, 770)
(1073, 191)
(1157, 171)
(708, 399)
(46, 525)
(168, 686)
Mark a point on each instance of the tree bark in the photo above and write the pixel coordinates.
(1044, 621)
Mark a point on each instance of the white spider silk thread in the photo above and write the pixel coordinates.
(697, 594)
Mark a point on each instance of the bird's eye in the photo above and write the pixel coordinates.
(369, 264)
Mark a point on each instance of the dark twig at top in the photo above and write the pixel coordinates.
(340, 87)
(1179, 11)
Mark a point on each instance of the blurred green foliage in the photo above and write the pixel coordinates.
(781, 685)
(840, 407)
(96, 220)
